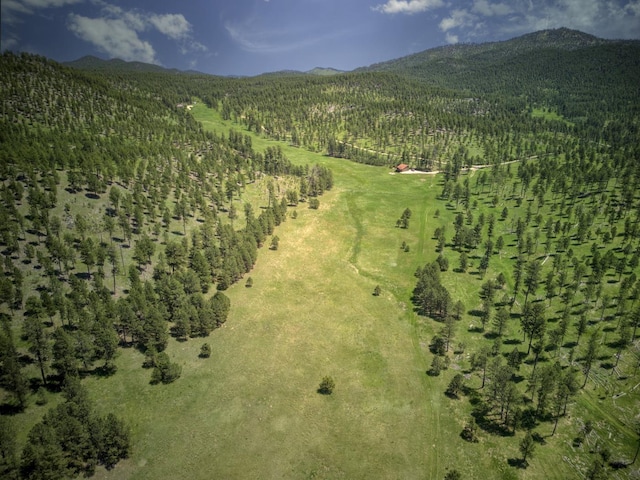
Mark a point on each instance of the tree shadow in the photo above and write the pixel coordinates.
(25, 360)
(618, 464)
(607, 365)
(105, 371)
(538, 438)
(10, 409)
(517, 463)
(493, 427)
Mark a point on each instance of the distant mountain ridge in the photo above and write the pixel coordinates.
(93, 63)
(90, 62)
(562, 38)
(539, 54)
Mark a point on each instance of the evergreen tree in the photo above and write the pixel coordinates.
(527, 447)
(590, 355)
(39, 344)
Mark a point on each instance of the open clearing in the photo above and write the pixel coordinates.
(252, 410)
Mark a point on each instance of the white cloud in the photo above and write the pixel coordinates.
(174, 26)
(408, 6)
(458, 19)
(484, 7)
(633, 8)
(115, 37)
(450, 38)
(197, 46)
(11, 9)
(117, 32)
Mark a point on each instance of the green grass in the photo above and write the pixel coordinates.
(252, 410)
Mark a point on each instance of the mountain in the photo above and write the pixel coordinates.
(552, 67)
(562, 38)
(89, 62)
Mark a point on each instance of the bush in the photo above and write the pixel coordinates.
(205, 351)
(469, 432)
(453, 475)
(326, 386)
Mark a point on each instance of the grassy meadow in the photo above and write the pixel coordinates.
(252, 409)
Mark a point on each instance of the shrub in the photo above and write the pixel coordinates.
(205, 351)
(326, 386)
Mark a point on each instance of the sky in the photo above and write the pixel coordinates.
(249, 37)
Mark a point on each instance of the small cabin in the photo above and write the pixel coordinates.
(402, 168)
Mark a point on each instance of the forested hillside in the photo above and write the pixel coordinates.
(579, 74)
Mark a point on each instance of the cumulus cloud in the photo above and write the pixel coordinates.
(10, 9)
(450, 38)
(408, 6)
(117, 32)
(174, 26)
(116, 37)
(457, 19)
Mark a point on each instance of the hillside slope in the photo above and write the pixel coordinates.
(556, 67)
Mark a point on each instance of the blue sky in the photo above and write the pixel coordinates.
(248, 37)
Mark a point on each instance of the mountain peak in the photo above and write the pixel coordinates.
(564, 38)
(561, 39)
